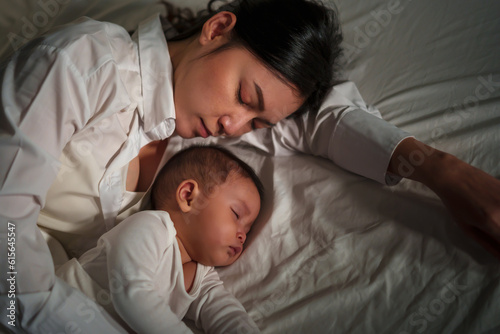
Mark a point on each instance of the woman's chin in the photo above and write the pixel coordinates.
(184, 134)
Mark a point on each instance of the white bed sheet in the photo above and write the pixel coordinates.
(333, 252)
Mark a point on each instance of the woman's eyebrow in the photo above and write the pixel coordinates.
(260, 97)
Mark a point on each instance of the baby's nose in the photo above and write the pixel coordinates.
(242, 237)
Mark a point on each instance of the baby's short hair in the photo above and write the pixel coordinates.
(208, 165)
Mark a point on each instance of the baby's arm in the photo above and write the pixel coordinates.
(134, 251)
(216, 310)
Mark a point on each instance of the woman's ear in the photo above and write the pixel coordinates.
(185, 194)
(219, 25)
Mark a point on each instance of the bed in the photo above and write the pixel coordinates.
(333, 252)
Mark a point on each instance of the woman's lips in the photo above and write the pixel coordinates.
(204, 132)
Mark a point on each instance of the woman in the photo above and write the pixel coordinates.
(87, 111)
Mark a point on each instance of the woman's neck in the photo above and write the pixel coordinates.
(179, 51)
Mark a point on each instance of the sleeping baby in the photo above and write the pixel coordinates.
(157, 267)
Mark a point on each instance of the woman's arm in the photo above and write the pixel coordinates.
(471, 195)
(354, 137)
(47, 95)
(344, 131)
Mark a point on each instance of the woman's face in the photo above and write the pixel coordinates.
(229, 93)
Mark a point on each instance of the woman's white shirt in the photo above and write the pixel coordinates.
(88, 193)
(91, 93)
(92, 96)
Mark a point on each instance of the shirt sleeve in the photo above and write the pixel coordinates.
(345, 130)
(134, 250)
(45, 99)
(216, 310)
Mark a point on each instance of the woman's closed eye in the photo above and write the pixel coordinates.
(239, 98)
(256, 123)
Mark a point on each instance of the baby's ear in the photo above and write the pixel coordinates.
(186, 193)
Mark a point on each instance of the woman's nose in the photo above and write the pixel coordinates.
(236, 124)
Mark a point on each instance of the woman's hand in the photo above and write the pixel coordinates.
(473, 198)
(471, 195)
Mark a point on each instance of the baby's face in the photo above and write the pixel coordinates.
(221, 221)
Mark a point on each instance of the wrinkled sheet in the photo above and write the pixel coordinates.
(333, 252)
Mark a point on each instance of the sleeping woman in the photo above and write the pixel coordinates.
(87, 110)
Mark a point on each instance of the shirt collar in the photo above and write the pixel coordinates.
(156, 74)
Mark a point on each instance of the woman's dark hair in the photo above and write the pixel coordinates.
(299, 40)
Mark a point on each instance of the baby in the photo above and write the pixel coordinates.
(157, 267)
